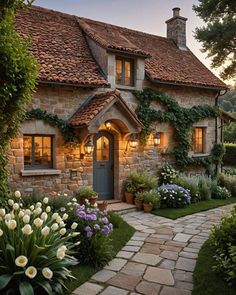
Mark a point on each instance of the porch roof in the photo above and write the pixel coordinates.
(101, 103)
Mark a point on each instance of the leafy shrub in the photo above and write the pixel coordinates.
(95, 248)
(191, 184)
(230, 155)
(218, 192)
(228, 181)
(86, 193)
(230, 171)
(174, 196)
(167, 174)
(140, 181)
(223, 238)
(204, 186)
(150, 197)
(33, 249)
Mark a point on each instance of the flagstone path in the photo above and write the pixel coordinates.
(160, 257)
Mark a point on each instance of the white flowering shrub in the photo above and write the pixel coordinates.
(167, 174)
(34, 248)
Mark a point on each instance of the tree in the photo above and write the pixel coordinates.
(219, 35)
(18, 72)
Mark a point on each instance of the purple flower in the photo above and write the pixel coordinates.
(110, 226)
(106, 230)
(89, 234)
(91, 217)
(87, 228)
(104, 220)
(81, 214)
(96, 227)
(80, 207)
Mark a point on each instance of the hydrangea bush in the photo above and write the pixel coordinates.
(167, 174)
(34, 248)
(219, 192)
(94, 225)
(174, 196)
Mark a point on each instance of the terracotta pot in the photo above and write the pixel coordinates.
(139, 204)
(102, 206)
(147, 207)
(129, 198)
(93, 200)
(81, 200)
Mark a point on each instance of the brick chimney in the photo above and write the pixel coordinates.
(176, 29)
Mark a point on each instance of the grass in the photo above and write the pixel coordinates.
(174, 213)
(119, 237)
(207, 282)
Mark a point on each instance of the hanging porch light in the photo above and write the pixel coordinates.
(133, 141)
(156, 138)
(88, 147)
(108, 125)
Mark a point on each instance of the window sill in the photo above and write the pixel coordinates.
(200, 155)
(40, 172)
(123, 87)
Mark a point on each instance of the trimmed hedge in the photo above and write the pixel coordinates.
(230, 154)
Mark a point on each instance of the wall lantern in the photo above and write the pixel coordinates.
(156, 138)
(88, 147)
(133, 141)
(108, 125)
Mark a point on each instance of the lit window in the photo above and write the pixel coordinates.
(124, 71)
(37, 151)
(103, 149)
(199, 134)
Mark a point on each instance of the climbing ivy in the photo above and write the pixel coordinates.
(181, 119)
(68, 133)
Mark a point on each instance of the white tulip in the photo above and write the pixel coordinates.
(54, 227)
(65, 216)
(47, 273)
(16, 206)
(31, 272)
(38, 211)
(75, 234)
(26, 219)
(27, 212)
(74, 200)
(77, 243)
(63, 248)
(62, 224)
(74, 225)
(7, 216)
(2, 212)
(10, 202)
(55, 215)
(31, 207)
(59, 219)
(45, 231)
(69, 204)
(44, 216)
(27, 230)
(38, 205)
(65, 195)
(45, 200)
(61, 252)
(62, 231)
(48, 209)
(21, 261)
(1, 232)
(38, 222)
(21, 214)
(17, 194)
(11, 224)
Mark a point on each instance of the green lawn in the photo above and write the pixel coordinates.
(207, 282)
(174, 213)
(120, 236)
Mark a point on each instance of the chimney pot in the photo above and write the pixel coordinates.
(176, 11)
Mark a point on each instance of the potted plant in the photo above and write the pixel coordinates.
(86, 193)
(139, 201)
(151, 200)
(102, 206)
(129, 191)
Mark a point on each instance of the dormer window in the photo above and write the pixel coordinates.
(124, 71)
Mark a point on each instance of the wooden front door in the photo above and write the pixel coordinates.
(103, 165)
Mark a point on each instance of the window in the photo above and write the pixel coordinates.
(103, 149)
(199, 140)
(38, 151)
(124, 71)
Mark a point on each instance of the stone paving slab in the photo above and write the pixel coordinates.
(160, 257)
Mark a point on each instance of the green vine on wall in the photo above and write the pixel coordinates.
(179, 117)
(68, 133)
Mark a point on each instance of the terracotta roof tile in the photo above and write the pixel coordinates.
(167, 62)
(60, 47)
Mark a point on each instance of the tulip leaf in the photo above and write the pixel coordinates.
(46, 286)
(4, 280)
(26, 288)
(10, 248)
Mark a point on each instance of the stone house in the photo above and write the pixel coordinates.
(88, 71)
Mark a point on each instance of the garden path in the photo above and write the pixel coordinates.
(160, 257)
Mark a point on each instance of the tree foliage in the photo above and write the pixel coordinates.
(219, 35)
(18, 72)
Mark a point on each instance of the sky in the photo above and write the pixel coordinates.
(143, 15)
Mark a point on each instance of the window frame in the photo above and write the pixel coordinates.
(38, 166)
(132, 71)
(203, 151)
